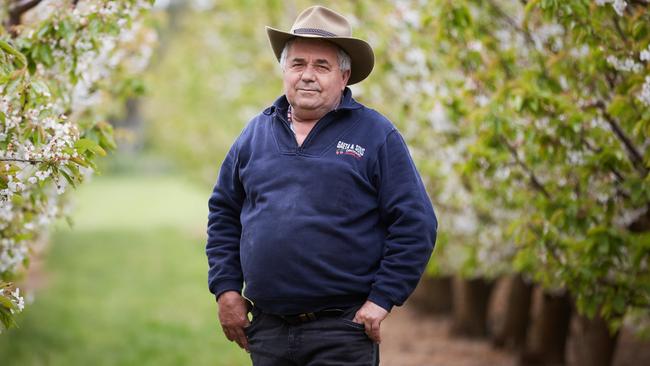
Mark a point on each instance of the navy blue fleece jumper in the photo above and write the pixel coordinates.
(340, 219)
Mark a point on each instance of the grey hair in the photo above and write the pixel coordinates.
(345, 63)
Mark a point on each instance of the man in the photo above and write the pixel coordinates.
(318, 212)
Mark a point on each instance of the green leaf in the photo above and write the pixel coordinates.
(45, 54)
(619, 303)
(6, 303)
(83, 145)
(66, 29)
(81, 161)
(20, 58)
(530, 6)
(618, 106)
(640, 29)
(45, 29)
(68, 178)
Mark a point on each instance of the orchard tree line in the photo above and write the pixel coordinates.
(550, 101)
(529, 121)
(65, 68)
(542, 110)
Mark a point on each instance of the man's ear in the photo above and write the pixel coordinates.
(346, 77)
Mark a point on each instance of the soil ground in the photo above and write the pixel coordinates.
(414, 339)
(411, 338)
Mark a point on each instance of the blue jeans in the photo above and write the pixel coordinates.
(334, 341)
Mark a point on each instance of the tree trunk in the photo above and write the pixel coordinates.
(470, 299)
(433, 295)
(509, 312)
(131, 125)
(631, 348)
(546, 340)
(590, 342)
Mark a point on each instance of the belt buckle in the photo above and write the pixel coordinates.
(306, 317)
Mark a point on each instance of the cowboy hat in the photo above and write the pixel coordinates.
(323, 23)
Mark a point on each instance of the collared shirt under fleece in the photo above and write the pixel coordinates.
(341, 219)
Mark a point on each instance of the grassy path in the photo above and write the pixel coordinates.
(127, 285)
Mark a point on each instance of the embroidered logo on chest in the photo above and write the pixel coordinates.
(344, 148)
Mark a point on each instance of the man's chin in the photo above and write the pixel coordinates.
(307, 94)
(306, 104)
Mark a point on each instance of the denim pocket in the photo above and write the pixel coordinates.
(353, 324)
(255, 318)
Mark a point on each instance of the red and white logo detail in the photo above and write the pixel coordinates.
(344, 148)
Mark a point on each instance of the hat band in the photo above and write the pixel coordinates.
(315, 31)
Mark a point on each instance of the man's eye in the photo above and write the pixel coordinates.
(322, 68)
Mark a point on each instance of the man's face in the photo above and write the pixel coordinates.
(313, 81)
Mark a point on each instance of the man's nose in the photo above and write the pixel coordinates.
(308, 74)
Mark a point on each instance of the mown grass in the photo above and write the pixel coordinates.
(127, 285)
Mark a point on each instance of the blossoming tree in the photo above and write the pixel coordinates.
(554, 98)
(64, 67)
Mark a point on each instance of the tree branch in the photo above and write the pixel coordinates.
(633, 153)
(619, 30)
(597, 150)
(642, 223)
(619, 179)
(610, 81)
(16, 11)
(512, 22)
(533, 178)
(529, 39)
(638, 2)
(23, 160)
(551, 246)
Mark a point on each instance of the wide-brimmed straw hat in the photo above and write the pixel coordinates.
(324, 23)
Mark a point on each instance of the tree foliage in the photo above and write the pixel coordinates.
(550, 100)
(213, 74)
(62, 63)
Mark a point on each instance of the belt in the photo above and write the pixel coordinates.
(309, 317)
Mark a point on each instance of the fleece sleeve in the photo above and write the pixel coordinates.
(410, 222)
(224, 228)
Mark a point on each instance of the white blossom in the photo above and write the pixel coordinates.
(476, 46)
(416, 56)
(17, 300)
(546, 33)
(505, 39)
(482, 100)
(409, 15)
(202, 5)
(618, 5)
(42, 175)
(645, 54)
(644, 95)
(626, 65)
(15, 186)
